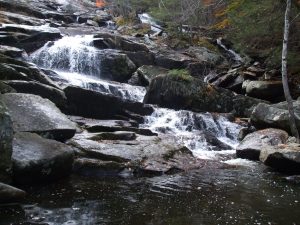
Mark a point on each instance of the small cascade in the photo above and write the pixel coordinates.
(126, 91)
(147, 19)
(71, 54)
(235, 56)
(192, 130)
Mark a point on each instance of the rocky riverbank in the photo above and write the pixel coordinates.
(72, 101)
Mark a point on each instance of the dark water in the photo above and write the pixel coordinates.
(224, 196)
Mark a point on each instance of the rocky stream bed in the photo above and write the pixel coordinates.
(97, 127)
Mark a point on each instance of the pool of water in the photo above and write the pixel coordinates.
(241, 195)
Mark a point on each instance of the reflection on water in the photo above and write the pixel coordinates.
(245, 195)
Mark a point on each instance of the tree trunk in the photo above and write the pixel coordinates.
(287, 94)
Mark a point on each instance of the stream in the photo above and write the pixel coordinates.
(243, 193)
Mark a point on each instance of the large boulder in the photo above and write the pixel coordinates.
(253, 143)
(10, 194)
(6, 137)
(36, 159)
(203, 54)
(91, 104)
(276, 116)
(186, 92)
(144, 155)
(284, 158)
(31, 113)
(268, 90)
(27, 37)
(116, 66)
(148, 72)
(55, 95)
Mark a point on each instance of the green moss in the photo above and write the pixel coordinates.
(181, 74)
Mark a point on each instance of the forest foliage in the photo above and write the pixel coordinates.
(254, 26)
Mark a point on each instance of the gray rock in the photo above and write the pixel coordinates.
(205, 55)
(267, 90)
(145, 155)
(55, 95)
(187, 92)
(6, 137)
(10, 194)
(276, 116)
(253, 143)
(31, 113)
(116, 66)
(284, 158)
(4, 88)
(146, 73)
(11, 51)
(91, 104)
(36, 159)
(96, 167)
(117, 135)
(141, 58)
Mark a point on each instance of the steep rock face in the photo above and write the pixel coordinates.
(276, 115)
(91, 104)
(6, 137)
(31, 113)
(179, 92)
(253, 143)
(36, 159)
(284, 158)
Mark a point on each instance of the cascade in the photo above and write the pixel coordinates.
(78, 63)
(235, 56)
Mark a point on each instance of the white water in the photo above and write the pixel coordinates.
(190, 127)
(70, 54)
(147, 19)
(232, 53)
(77, 62)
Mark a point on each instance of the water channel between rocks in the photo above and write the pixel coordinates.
(244, 193)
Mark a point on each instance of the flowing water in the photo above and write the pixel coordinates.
(243, 193)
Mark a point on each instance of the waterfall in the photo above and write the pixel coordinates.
(70, 54)
(191, 129)
(235, 56)
(77, 62)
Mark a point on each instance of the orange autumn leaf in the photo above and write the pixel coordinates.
(100, 3)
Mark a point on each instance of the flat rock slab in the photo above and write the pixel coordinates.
(36, 159)
(253, 143)
(144, 156)
(31, 113)
(284, 158)
(10, 194)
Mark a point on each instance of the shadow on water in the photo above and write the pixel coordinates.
(225, 196)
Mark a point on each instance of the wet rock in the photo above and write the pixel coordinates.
(10, 194)
(116, 66)
(172, 60)
(55, 95)
(31, 113)
(180, 92)
(6, 137)
(4, 88)
(253, 143)
(11, 51)
(216, 144)
(36, 159)
(145, 155)
(276, 116)
(91, 104)
(141, 58)
(146, 73)
(135, 80)
(117, 135)
(284, 158)
(13, 69)
(96, 167)
(267, 90)
(32, 37)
